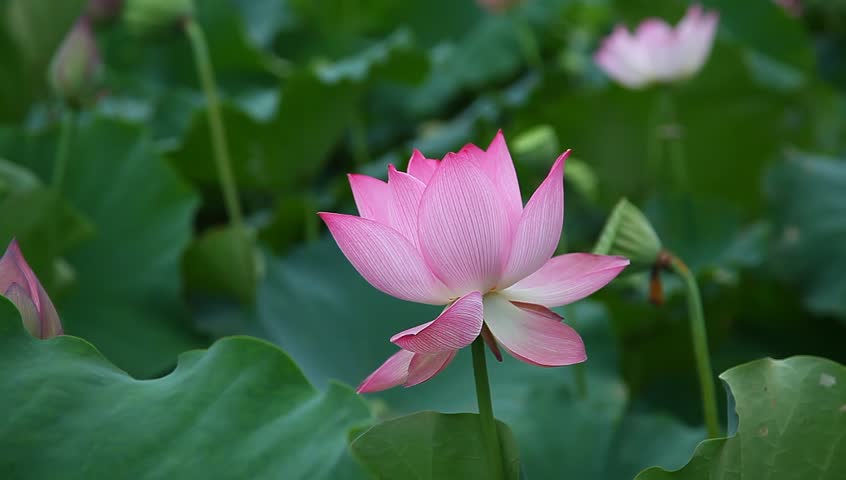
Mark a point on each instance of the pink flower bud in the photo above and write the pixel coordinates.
(19, 284)
(76, 68)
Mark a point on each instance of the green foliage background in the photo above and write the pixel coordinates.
(136, 251)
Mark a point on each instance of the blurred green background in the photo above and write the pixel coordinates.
(139, 255)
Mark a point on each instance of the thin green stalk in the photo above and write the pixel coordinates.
(672, 135)
(486, 416)
(654, 145)
(700, 346)
(218, 132)
(60, 165)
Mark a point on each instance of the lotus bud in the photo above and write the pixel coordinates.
(148, 16)
(76, 69)
(19, 284)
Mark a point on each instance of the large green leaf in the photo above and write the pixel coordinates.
(434, 446)
(792, 419)
(128, 298)
(30, 33)
(241, 409)
(335, 325)
(284, 152)
(808, 198)
(42, 222)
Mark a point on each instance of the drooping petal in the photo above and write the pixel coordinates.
(385, 258)
(390, 374)
(539, 229)
(455, 328)
(490, 341)
(406, 192)
(426, 365)
(533, 334)
(565, 279)
(462, 226)
(372, 197)
(421, 167)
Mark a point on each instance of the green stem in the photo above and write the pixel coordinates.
(486, 417)
(60, 165)
(673, 137)
(700, 346)
(218, 133)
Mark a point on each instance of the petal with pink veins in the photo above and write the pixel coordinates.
(539, 230)
(385, 258)
(390, 374)
(500, 168)
(462, 226)
(565, 279)
(424, 366)
(372, 197)
(455, 328)
(533, 333)
(406, 192)
(421, 167)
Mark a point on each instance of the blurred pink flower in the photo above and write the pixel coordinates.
(77, 68)
(455, 232)
(19, 284)
(497, 6)
(792, 7)
(657, 52)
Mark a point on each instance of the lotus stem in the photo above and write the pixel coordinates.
(486, 416)
(216, 127)
(699, 337)
(60, 166)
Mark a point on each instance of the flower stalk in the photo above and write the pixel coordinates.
(205, 72)
(699, 337)
(60, 165)
(486, 416)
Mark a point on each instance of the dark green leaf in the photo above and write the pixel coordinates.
(241, 409)
(808, 198)
(792, 416)
(434, 446)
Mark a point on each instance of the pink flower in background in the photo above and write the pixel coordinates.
(497, 6)
(658, 53)
(792, 7)
(455, 232)
(19, 284)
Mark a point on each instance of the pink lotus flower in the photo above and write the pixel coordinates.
(455, 232)
(19, 284)
(657, 52)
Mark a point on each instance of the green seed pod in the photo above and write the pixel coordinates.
(628, 233)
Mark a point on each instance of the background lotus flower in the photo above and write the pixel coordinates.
(19, 284)
(456, 232)
(76, 70)
(657, 52)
